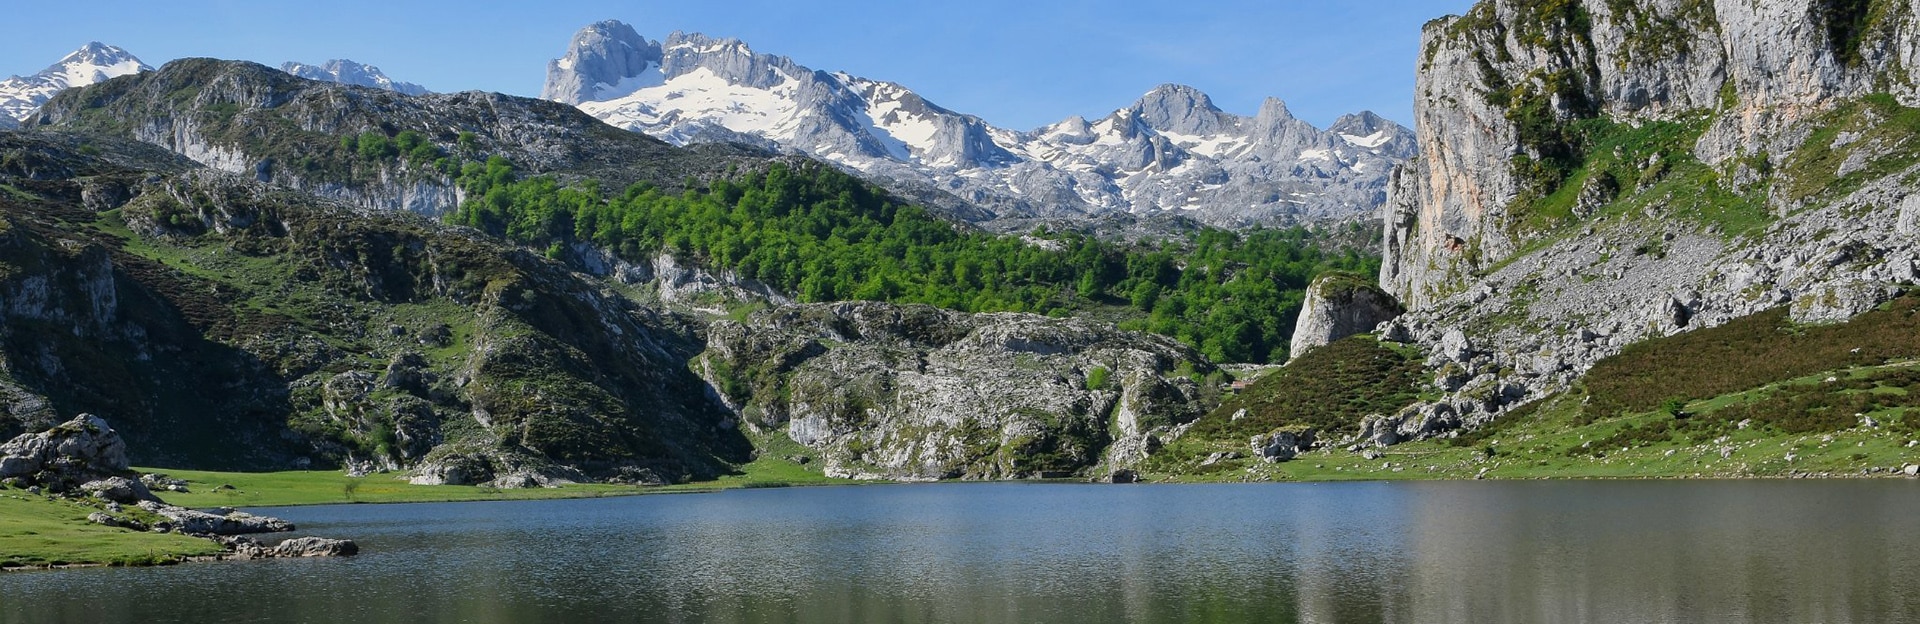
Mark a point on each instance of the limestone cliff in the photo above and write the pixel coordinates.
(914, 392)
(1500, 87)
(1601, 172)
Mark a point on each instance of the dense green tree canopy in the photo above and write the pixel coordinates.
(822, 235)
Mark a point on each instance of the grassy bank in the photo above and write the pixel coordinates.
(1705, 438)
(37, 531)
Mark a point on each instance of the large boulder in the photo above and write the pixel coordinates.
(78, 451)
(1340, 305)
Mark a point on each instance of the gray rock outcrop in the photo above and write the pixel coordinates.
(1283, 444)
(1337, 306)
(298, 547)
(193, 522)
(917, 393)
(1762, 69)
(82, 450)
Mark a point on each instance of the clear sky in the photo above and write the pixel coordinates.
(1016, 63)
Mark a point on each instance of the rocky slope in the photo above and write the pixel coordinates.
(231, 324)
(1594, 174)
(348, 72)
(265, 124)
(1172, 151)
(20, 96)
(919, 393)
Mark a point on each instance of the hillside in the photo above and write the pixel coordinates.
(1625, 179)
(229, 324)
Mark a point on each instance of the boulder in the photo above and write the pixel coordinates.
(76, 451)
(1340, 305)
(1284, 443)
(191, 522)
(118, 490)
(248, 548)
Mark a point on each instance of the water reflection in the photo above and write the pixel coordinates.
(1368, 552)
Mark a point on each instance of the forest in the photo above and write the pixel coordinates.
(822, 235)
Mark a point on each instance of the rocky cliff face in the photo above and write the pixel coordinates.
(1172, 151)
(913, 392)
(231, 324)
(254, 121)
(1597, 173)
(1498, 87)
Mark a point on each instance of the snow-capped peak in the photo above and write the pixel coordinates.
(1173, 149)
(345, 71)
(95, 62)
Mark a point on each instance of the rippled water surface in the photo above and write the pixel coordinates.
(1729, 551)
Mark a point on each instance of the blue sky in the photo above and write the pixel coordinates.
(1016, 63)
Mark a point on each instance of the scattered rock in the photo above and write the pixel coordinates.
(191, 522)
(248, 548)
(118, 490)
(1284, 443)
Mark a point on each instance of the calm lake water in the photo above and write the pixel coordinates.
(1725, 551)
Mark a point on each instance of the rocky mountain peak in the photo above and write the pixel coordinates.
(96, 53)
(1370, 131)
(1181, 109)
(92, 63)
(605, 60)
(345, 71)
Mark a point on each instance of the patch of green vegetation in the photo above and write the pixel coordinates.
(1330, 388)
(1876, 125)
(1552, 439)
(1747, 353)
(40, 531)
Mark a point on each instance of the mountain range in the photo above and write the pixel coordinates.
(1171, 151)
(21, 96)
(345, 71)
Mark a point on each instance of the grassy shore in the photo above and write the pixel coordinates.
(37, 531)
(1554, 441)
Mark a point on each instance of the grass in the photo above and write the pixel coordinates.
(36, 531)
(1747, 353)
(1877, 124)
(1553, 441)
(1330, 388)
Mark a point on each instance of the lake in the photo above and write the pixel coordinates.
(1546, 551)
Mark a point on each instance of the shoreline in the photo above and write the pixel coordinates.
(563, 493)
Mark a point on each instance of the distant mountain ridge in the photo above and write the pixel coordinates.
(1172, 151)
(345, 71)
(20, 96)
